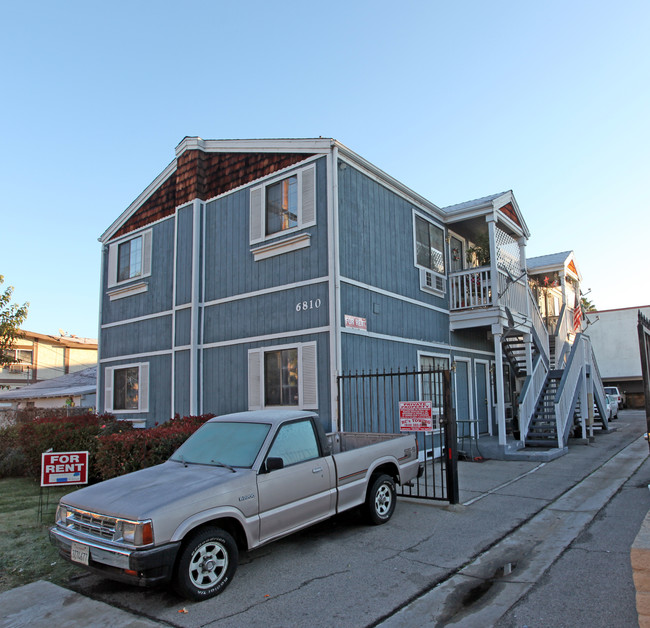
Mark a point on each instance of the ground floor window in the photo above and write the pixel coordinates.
(126, 388)
(432, 383)
(283, 376)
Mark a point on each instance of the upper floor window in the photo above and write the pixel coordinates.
(128, 260)
(429, 245)
(283, 205)
(22, 360)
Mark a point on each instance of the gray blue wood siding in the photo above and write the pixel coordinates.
(158, 297)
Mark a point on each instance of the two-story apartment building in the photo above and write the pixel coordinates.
(250, 273)
(38, 357)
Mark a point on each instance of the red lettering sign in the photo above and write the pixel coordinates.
(64, 468)
(415, 416)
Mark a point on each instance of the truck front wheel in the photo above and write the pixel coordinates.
(380, 502)
(206, 565)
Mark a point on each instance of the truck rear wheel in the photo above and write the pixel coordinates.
(206, 565)
(380, 502)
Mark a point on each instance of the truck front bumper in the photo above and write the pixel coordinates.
(143, 567)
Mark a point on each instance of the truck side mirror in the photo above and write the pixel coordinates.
(273, 464)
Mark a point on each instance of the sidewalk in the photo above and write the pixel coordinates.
(347, 573)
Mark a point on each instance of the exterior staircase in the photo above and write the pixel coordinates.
(515, 352)
(542, 430)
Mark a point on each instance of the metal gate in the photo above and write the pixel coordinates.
(369, 402)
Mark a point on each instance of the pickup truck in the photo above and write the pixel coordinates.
(240, 481)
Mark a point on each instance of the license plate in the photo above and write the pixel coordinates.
(79, 553)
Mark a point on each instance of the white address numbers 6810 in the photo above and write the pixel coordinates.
(312, 304)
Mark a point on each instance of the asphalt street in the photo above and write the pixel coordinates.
(532, 544)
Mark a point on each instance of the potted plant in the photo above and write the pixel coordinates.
(479, 253)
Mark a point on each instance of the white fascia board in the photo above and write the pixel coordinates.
(137, 203)
(503, 200)
(318, 145)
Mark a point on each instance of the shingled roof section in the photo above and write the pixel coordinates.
(509, 211)
(205, 175)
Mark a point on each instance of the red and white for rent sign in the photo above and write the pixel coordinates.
(415, 416)
(64, 467)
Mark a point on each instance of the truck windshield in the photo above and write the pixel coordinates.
(223, 443)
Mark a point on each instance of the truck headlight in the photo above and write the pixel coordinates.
(62, 514)
(134, 532)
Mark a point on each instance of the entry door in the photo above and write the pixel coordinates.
(456, 248)
(481, 398)
(462, 398)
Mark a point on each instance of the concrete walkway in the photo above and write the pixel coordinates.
(44, 605)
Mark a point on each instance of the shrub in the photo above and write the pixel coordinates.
(12, 459)
(75, 433)
(137, 449)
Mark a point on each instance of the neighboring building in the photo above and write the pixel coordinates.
(250, 273)
(41, 357)
(615, 339)
(76, 389)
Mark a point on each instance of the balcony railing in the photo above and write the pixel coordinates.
(474, 288)
(470, 288)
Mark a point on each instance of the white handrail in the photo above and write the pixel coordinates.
(538, 324)
(564, 396)
(528, 402)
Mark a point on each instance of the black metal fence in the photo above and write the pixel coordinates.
(369, 402)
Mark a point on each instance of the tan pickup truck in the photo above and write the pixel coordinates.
(240, 481)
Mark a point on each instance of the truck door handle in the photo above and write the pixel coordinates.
(317, 470)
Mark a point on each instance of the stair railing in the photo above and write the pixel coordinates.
(530, 392)
(597, 382)
(538, 324)
(567, 386)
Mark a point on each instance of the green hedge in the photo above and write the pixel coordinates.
(137, 449)
(114, 447)
(77, 433)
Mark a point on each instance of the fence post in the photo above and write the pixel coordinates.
(451, 443)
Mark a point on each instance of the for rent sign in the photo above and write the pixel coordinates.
(69, 467)
(415, 416)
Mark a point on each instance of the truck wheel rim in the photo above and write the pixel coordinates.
(383, 500)
(208, 564)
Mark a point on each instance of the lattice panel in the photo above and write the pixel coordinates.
(507, 253)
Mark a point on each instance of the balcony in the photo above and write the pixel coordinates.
(474, 301)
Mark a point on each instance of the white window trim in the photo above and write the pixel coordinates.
(143, 387)
(307, 376)
(124, 289)
(306, 210)
(424, 271)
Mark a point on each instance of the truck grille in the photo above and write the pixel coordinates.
(91, 523)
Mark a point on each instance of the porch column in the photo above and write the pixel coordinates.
(522, 263)
(501, 408)
(528, 345)
(494, 275)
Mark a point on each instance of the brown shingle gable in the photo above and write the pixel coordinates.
(205, 175)
(510, 212)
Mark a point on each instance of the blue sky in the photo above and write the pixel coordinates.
(457, 100)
